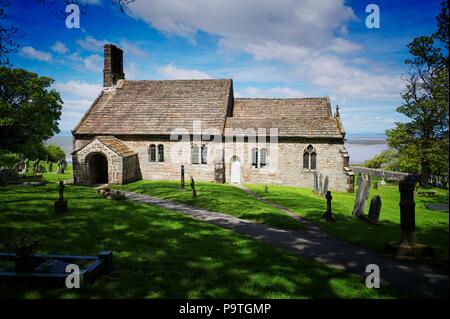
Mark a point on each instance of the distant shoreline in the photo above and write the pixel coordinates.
(360, 147)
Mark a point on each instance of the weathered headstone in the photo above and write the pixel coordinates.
(361, 196)
(329, 213)
(375, 209)
(194, 192)
(407, 212)
(25, 166)
(50, 167)
(36, 166)
(382, 179)
(407, 247)
(61, 203)
(182, 187)
(325, 186)
(320, 184)
(315, 182)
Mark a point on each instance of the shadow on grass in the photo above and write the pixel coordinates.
(158, 253)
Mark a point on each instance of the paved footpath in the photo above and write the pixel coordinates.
(313, 243)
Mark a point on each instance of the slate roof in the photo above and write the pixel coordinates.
(116, 145)
(157, 107)
(302, 117)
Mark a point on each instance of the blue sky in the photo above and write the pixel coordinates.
(270, 48)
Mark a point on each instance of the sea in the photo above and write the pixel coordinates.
(360, 147)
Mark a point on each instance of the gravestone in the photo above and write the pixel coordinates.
(361, 196)
(408, 247)
(50, 167)
(194, 192)
(315, 182)
(329, 213)
(183, 188)
(375, 185)
(407, 212)
(320, 184)
(25, 166)
(374, 210)
(266, 189)
(382, 179)
(36, 166)
(61, 203)
(325, 186)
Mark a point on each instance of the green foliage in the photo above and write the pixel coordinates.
(424, 141)
(55, 153)
(8, 159)
(385, 158)
(23, 246)
(29, 110)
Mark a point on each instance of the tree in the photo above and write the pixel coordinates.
(29, 110)
(424, 140)
(55, 153)
(8, 35)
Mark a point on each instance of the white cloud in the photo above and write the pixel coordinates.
(78, 88)
(310, 36)
(91, 44)
(132, 49)
(276, 92)
(93, 63)
(34, 54)
(170, 72)
(59, 47)
(72, 112)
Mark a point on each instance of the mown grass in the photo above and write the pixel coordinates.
(217, 197)
(432, 227)
(162, 254)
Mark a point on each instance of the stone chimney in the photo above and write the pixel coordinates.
(113, 65)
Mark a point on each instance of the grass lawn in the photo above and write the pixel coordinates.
(217, 197)
(159, 253)
(432, 227)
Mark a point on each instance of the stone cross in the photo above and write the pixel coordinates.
(407, 211)
(182, 178)
(375, 209)
(61, 203)
(194, 192)
(361, 196)
(329, 213)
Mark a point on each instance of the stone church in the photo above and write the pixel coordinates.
(145, 129)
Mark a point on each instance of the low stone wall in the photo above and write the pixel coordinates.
(378, 173)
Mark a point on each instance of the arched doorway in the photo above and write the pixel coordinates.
(98, 169)
(235, 171)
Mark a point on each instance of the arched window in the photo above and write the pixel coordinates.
(309, 158)
(255, 157)
(152, 153)
(263, 158)
(195, 154)
(204, 154)
(160, 153)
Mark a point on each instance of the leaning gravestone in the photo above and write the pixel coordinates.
(374, 210)
(325, 186)
(361, 196)
(194, 192)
